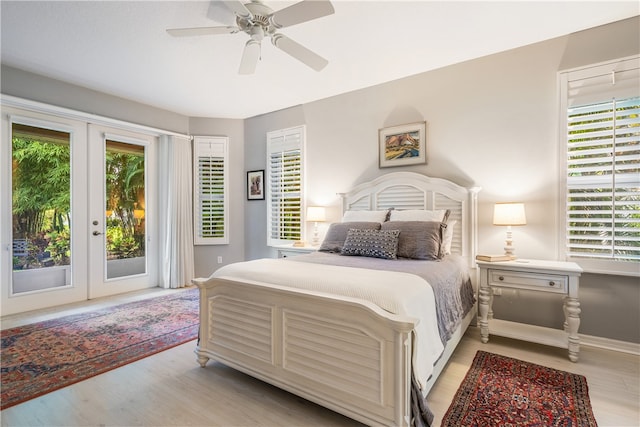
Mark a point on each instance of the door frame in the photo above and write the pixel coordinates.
(99, 284)
(77, 290)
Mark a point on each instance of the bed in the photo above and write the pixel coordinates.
(291, 323)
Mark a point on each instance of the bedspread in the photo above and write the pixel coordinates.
(409, 295)
(448, 277)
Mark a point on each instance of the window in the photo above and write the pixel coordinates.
(210, 183)
(285, 185)
(602, 166)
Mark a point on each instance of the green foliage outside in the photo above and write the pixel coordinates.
(125, 187)
(41, 199)
(41, 202)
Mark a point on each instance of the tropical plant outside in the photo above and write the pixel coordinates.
(125, 177)
(41, 200)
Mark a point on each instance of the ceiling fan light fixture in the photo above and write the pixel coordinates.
(257, 33)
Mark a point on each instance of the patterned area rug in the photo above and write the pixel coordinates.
(42, 357)
(501, 391)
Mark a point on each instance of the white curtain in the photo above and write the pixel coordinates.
(176, 219)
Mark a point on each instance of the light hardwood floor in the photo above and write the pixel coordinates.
(170, 389)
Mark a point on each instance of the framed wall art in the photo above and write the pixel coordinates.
(255, 185)
(403, 145)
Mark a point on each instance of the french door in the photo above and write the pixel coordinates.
(122, 238)
(78, 211)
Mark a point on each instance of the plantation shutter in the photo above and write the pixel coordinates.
(603, 165)
(285, 185)
(210, 198)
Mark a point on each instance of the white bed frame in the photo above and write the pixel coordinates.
(342, 353)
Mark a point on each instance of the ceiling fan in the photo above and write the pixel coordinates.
(259, 20)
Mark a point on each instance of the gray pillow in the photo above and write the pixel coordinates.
(372, 243)
(337, 234)
(418, 239)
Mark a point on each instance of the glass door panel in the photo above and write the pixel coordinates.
(125, 209)
(41, 208)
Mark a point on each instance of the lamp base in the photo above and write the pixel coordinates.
(509, 249)
(316, 240)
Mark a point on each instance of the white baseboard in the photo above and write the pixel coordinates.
(609, 344)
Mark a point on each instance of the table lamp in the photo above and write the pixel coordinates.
(316, 214)
(509, 214)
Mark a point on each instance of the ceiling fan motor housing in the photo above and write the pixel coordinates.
(260, 18)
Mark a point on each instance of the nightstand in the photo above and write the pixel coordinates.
(291, 251)
(555, 277)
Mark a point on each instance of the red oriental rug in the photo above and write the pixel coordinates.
(501, 391)
(42, 357)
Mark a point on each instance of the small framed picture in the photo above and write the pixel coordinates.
(255, 185)
(403, 145)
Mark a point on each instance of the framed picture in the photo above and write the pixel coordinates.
(255, 185)
(403, 145)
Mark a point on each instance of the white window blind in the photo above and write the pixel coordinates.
(602, 212)
(210, 184)
(285, 185)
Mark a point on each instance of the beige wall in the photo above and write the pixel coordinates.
(491, 122)
(26, 85)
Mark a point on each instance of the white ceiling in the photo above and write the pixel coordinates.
(122, 48)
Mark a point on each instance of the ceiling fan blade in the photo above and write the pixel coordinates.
(219, 12)
(238, 8)
(299, 52)
(301, 12)
(250, 57)
(201, 31)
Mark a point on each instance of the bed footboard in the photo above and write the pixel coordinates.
(342, 353)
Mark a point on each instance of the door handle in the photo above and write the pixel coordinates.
(96, 233)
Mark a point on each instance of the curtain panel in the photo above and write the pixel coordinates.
(176, 220)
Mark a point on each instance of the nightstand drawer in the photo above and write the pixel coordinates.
(291, 251)
(534, 281)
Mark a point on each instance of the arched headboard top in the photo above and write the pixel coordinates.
(410, 190)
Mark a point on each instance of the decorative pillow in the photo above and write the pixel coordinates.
(418, 239)
(365, 216)
(337, 233)
(417, 215)
(372, 243)
(447, 238)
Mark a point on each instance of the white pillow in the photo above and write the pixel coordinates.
(447, 238)
(364, 216)
(417, 215)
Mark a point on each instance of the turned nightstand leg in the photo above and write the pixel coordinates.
(572, 323)
(484, 306)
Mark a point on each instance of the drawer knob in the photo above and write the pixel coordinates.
(501, 278)
(552, 283)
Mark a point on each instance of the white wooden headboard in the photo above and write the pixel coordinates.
(409, 190)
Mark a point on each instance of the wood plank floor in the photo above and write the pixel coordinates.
(170, 389)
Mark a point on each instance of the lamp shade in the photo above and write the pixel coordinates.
(509, 214)
(316, 213)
